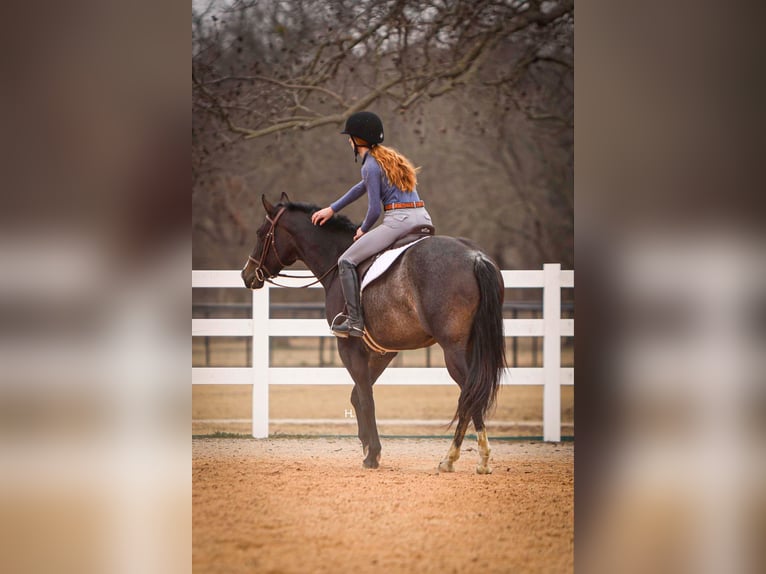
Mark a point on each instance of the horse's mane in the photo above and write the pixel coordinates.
(339, 222)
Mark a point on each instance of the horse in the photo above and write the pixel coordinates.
(441, 290)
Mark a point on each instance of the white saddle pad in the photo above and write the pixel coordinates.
(383, 262)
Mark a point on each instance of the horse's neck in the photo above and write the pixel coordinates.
(320, 259)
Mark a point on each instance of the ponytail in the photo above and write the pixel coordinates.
(398, 169)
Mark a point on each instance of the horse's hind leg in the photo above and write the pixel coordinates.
(446, 465)
(484, 450)
(458, 369)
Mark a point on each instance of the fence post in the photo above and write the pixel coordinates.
(261, 362)
(552, 352)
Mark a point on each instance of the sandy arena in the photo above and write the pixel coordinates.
(306, 505)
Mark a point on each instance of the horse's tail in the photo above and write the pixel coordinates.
(486, 344)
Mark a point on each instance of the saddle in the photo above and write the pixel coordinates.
(413, 234)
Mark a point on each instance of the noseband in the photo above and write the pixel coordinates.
(269, 242)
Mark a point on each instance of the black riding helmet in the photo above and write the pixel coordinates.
(366, 126)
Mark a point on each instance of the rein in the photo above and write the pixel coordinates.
(270, 243)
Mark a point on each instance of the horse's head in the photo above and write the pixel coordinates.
(274, 250)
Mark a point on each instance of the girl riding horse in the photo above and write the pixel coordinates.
(389, 180)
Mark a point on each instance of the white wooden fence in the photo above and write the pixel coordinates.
(551, 327)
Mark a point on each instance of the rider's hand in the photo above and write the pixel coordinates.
(359, 233)
(319, 217)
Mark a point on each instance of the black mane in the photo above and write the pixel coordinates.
(339, 222)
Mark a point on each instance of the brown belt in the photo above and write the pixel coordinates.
(409, 205)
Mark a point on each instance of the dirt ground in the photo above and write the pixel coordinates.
(289, 505)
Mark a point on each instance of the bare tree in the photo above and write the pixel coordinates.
(484, 85)
(263, 67)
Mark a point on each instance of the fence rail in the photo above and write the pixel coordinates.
(512, 309)
(551, 327)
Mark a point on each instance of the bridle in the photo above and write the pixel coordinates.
(269, 242)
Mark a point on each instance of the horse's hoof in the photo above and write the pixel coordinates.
(482, 469)
(446, 466)
(371, 463)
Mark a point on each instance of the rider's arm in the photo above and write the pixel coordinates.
(350, 196)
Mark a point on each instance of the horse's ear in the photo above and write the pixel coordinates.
(284, 198)
(266, 205)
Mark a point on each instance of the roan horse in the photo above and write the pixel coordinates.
(441, 290)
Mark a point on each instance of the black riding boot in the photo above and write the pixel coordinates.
(349, 282)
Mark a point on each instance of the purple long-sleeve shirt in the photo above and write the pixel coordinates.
(379, 190)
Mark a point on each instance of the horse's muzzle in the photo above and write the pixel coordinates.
(252, 279)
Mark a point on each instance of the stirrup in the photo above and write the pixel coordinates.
(342, 317)
(345, 328)
(339, 334)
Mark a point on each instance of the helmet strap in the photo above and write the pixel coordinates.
(356, 148)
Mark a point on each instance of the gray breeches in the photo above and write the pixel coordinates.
(395, 224)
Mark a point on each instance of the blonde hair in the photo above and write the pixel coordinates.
(398, 169)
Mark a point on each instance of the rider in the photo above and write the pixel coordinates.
(389, 179)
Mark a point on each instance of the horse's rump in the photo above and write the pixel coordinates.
(428, 295)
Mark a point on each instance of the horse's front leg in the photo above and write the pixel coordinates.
(368, 422)
(364, 370)
(360, 421)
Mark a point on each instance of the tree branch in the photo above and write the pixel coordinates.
(286, 85)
